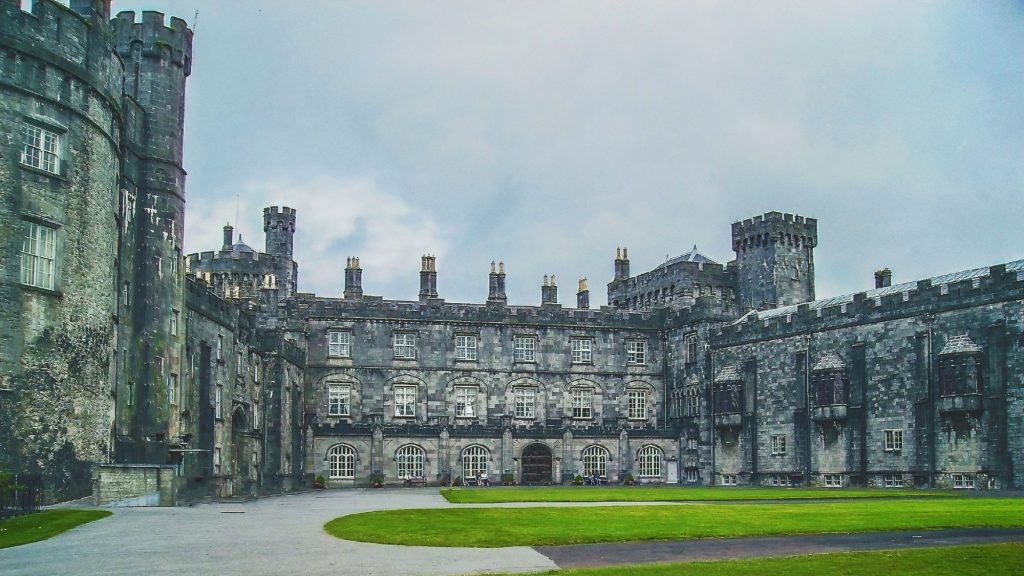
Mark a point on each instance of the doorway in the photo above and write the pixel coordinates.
(536, 464)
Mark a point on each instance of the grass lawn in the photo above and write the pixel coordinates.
(667, 494)
(42, 525)
(985, 560)
(495, 527)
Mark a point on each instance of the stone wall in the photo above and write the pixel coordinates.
(134, 485)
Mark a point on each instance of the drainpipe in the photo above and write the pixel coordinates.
(931, 404)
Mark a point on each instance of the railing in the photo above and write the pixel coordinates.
(24, 495)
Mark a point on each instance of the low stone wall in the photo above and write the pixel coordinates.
(133, 485)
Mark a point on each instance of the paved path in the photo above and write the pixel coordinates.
(284, 535)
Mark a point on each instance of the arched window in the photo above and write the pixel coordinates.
(474, 460)
(649, 460)
(342, 461)
(410, 461)
(595, 460)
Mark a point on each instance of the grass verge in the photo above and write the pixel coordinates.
(981, 560)
(496, 527)
(668, 494)
(42, 525)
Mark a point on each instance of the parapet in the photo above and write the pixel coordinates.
(157, 40)
(775, 227)
(274, 217)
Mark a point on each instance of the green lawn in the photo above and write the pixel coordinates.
(495, 527)
(986, 560)
(42, 525)
(667, 494)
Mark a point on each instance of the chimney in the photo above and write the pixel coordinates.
(583, 295)
(496, 284)
(883, 278)
(428, 277)
(549, 291)
(229, 237)
(353, 278)
(621, 263)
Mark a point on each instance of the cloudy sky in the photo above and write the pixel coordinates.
(546, 134)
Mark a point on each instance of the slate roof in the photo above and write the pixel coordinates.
(241, 246)
(961, 344)
(691, 256)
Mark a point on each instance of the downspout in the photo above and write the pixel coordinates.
(931, 405)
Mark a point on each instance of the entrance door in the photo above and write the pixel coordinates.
(536, 464)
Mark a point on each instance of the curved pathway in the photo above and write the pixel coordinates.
(284, 535)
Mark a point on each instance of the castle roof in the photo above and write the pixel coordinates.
(961, 344)
(241, 246)
(691, 256)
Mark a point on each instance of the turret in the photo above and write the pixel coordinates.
(353, 278)
(775, 260)
(496, 285)
(428, 277)
(583, 295)
(279, 228)
(549, 291)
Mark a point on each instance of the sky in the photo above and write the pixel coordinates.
(546, 134)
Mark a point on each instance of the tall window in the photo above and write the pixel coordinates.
(692, 401)
(409, 459)
(728, 397)
(218, 402)
(581, 350)
(216, 459)
(649, 461)
(465, 401)
(525, 347)
(893, 440)
(339, 344)
(465, 347)
(690, 348)
(172, 388)
(595, 461)
(778, 444)
(38, 253)
(405, 345)
(41, 149)
(582, 403)
(174, 323)
(405, 401)
(525, 402)
(342, 461)
(636, 352)
(830, 387)
(339, 399)
(474, 460)
(637, 404)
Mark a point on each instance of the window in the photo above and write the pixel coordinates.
(220, 347)
(525, 402)
(405, 345)
(833, 480)
(172, 388)
(256, 416)
(779, 480)
(465, 347)
(239, 363)
(692, 443)
(38, 253)
(728, 397)
(339, 399)
(216, 460)
(474, 460)
(525, 347)
(582, 403)
(778, 444)
(893, 440)
(41, 149)
(410, 461)
(218, 402)
(341, 460)
(692, 401)
(830, 387)
(649, 461)
(405, 401)
(595, 461)
(729, 479)
(339, 344)
(127, 294)
(892, 480)
(465, 401)
(692, 475)
(690, 348)
(636, 352)
(174, 323)
(129, 392)
(963, 482)
(581, 350)
(637, 404)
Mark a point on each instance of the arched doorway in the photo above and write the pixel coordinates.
(240, 452)
(536, 464)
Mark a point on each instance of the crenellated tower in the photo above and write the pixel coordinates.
(157, 62)
(279, 227)
(774, 260)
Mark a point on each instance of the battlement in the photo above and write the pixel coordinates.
(975, 287)
(154, 38)
(279, 219)
(284, 211)
(775, 227)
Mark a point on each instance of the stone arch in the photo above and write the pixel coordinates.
(575, 391)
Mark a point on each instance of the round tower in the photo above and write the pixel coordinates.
(774, 260)
(279, 227)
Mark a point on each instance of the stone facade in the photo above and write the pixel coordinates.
(157, 378)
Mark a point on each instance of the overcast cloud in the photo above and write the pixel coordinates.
(546, 134)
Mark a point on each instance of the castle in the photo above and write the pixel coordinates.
(142, 376)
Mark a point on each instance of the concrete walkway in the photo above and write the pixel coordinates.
(284, 535)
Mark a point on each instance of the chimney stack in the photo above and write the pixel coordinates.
(496, 285)
(353, 278)
(549, 291)
(428, 277)
(883, 278)
(583, 295)
(229, 237)
(621, 263)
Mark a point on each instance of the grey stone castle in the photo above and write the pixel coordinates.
(143, 376)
